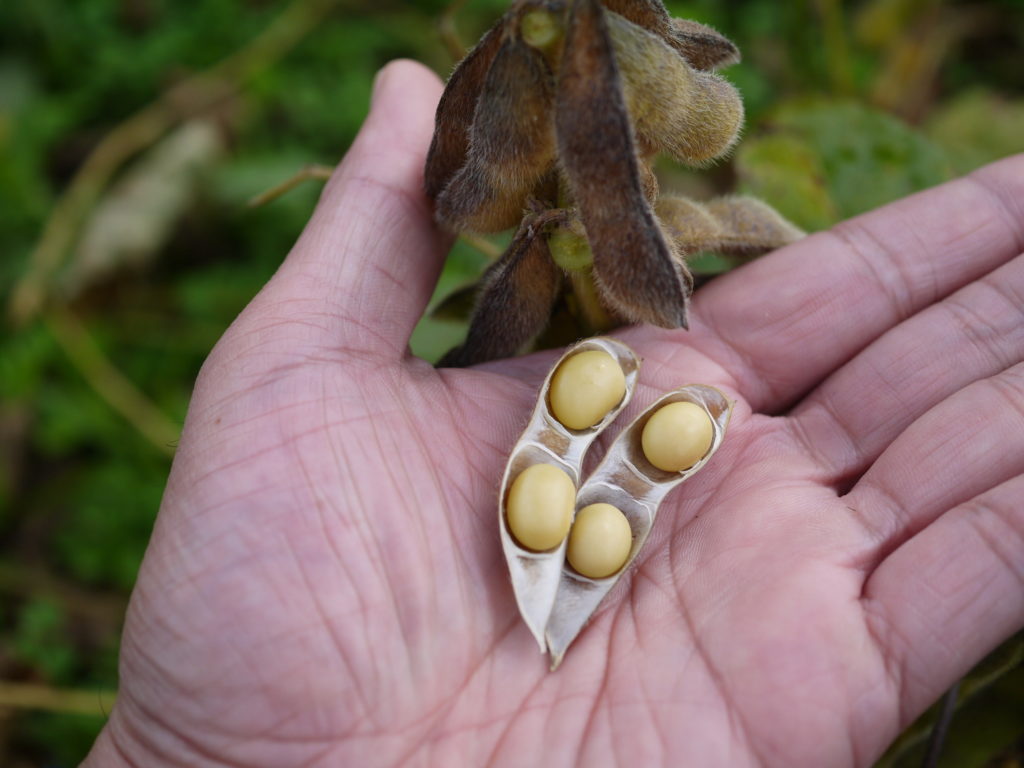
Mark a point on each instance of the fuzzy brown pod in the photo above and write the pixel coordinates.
(535, 575)
(561, 107)
(627, 480)
(743, 226)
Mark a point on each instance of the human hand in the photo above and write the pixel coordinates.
(325, 584)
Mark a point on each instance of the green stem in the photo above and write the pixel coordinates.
(590, 312)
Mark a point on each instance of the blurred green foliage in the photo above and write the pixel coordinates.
(849, 106)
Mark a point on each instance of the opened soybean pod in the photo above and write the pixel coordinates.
(628, 480)
(529, 528)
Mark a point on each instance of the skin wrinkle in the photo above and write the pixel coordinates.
(738, 724)
(444, 709)
(896, 283)
(362, 534)
(361, 696)
(384, 573)
(462, 564)
(938, 316)
(599, 702)
(980, 510)
(1004, 200)
(524, 708)
(382, 550)
(986, 341)
(894, 649)
(181, 737)
(832, 473)
(930, 508)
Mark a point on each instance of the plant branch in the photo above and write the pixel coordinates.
(109, 383)
(62, 701)
(449, 34)
(322, 172)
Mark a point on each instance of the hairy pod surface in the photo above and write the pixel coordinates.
(450, 143)
(634, 266)
(694, 116)
(511, 143)
(513, 303)
(742, 226)
(560, 109)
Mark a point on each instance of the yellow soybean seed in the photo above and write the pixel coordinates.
(540, 505)
(677, 436)
(585, 387)
(600, 541)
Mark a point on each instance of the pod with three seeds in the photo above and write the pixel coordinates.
(628, 480)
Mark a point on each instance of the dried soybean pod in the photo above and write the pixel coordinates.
(535, 575)
(514, 301)
(694, 116)
(701, 46)
(735, 226)
(635, 268)
(455, 111)
(628, 481)
(511, 143)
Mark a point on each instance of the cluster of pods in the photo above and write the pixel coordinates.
(551, 125)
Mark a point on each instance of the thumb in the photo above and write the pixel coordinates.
(366, 264)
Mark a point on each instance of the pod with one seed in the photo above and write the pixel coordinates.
(628, 480)
(533, 523)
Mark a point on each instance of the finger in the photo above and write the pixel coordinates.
(975, 333)
(785, 321)
(950, 595)
(964, 446)
(366, 265)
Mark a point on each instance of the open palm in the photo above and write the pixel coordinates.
(325, 584)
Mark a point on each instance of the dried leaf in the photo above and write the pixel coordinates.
(634, 266)
(450, 144)
(694, 116)
(701, 46)
(511, 147)
(514, 304)
(137, 216)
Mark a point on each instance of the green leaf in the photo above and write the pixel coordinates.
(977, 127)
(784, 171)
(42, 641)
(827, 161)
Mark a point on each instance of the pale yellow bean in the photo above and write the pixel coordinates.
(585, 387)
(540, 505)
(600, 541)
(677, 436)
